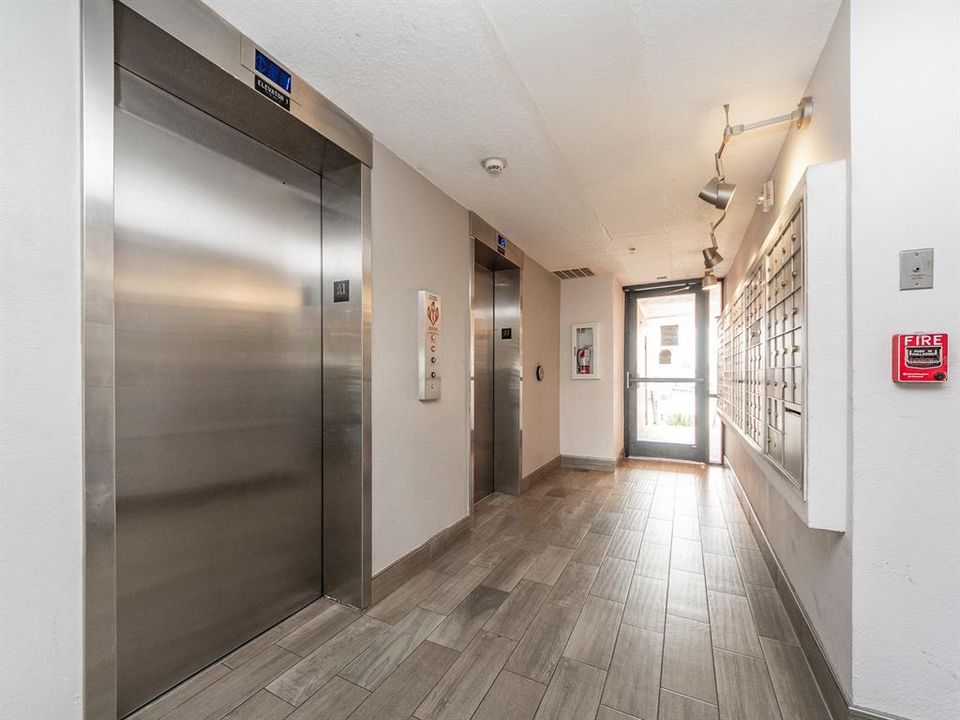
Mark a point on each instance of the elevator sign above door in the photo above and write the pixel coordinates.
(280, 83)
(920, 357)
(428, 345)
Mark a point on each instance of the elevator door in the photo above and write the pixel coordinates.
(218, 389)
(482, 382)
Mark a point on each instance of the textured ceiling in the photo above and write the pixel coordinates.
(608, 112)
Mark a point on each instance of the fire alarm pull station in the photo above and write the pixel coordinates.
(428, 345)
(920, 358)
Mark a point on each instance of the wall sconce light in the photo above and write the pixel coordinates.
(766, 198)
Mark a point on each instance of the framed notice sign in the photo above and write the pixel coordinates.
(585, 337)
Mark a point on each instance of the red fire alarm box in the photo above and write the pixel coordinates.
(920, 357)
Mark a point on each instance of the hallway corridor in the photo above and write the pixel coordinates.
(639, 593)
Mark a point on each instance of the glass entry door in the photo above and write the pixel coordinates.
(666, 378)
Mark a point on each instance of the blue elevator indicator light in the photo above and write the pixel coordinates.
(273, 72)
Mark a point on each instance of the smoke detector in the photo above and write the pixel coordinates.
(493, 165)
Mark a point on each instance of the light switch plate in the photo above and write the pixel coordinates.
(916, 269)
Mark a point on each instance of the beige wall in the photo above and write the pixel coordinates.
(540, 303)
(420, 449)
(817, 562)
(591, 411)
(826, 138)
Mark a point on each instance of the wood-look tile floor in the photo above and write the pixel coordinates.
(639, 593)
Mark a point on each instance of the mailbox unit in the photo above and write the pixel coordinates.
(786, 324)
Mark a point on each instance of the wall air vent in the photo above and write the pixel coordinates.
(573, 273)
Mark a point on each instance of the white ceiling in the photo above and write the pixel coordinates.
(608, 111)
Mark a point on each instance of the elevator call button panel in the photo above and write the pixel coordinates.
(920, 357)
(428, 345)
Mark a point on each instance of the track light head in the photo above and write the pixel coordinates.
(709, 279)
(711, 257)
(718, 193)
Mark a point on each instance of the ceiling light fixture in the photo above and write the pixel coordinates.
(709, 279)
(494, 165)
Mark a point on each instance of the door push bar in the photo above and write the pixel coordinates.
(636, 379)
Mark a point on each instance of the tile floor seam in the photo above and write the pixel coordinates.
(766, 665)
(716, 682)
(666, 612)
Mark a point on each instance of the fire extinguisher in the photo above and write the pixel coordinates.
(583, 361)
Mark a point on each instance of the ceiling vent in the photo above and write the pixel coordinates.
(573, 273)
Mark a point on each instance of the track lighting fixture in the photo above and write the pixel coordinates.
(711, 255)
(709, 279)
(718, 192)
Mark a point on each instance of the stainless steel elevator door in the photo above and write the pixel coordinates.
(482, 382)
(218, 389)
(507, 381)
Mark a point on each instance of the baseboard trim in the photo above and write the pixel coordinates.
(397, 573)
(583, 462)
(539, 474)
(858, 713)
(672, 461)
(833, 695)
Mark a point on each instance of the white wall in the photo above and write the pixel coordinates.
(540, 303)
(41, 482)
(421, 450)
(817, 562)
(591, 411)
(905, 115)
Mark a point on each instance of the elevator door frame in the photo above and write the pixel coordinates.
(198, 58)
(482, 377)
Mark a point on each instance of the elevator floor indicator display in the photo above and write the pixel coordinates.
(273, 72)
